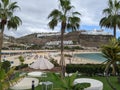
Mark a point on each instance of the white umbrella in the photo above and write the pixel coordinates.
(42, 63)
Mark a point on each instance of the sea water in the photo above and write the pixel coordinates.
(91, 56)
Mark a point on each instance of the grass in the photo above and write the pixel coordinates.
(113, 79)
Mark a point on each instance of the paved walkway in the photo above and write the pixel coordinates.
(25, 83)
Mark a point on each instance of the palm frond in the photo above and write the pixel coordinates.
(2, 74)
(117, 5)
(53, 23)
(111, 19)
(110, 4)
(13, 6)
(66, 15)
(111, 51)
(73, 23)
(58, 80)
(107, 11)
(76, 13)
(9, 14)
(55, 14)
(5, 3)
(65, 4)
(106, 22)
(14, 22)
(6, 14)
(65, 83)
(0, 5)
(68, 8)
(69, 80)
(4, 84)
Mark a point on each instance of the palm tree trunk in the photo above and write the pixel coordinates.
(62, 61)
(1, 42)
(114, 31)
(114, 68)
(3, 22)
(107, 76)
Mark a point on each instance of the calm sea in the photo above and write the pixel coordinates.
(91, 56)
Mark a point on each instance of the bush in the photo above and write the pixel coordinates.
(54, 62)
(88, 69)
(68, 55)
(21, 59)
(66, 47)
(5, 48)
(21, 66)
(6, 65)
(35, 47)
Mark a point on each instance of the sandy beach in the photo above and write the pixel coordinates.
(31, 56)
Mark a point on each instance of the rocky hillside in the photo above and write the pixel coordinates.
(33, 39)
(81, 39)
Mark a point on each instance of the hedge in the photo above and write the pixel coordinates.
(88, 69)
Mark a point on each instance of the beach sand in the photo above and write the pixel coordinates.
(32, 56)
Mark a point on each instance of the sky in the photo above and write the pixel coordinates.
(34, 13)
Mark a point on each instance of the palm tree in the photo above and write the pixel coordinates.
(8, 79)
(112, 18)
(7, 18)
(112, 53)
(67, 83)
(68, 20)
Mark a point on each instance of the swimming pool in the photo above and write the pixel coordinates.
(91, 56)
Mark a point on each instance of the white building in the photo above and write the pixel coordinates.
(55, 43)
(45, 34)
(96, 32)
(48, 34)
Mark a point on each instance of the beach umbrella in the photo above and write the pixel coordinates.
(42, 63)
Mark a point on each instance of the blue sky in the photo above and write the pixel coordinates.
(34, 15)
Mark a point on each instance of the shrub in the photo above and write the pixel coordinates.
(6, 65)
(21, 66)
(66, 47)
(68, 55)
(21, 59)
(54, 62)
(88, 69)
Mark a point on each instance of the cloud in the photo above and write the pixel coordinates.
(91, 11)
(34, 14)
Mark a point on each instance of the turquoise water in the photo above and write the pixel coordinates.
(91, 56)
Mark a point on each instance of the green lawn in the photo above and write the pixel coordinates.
(113, 79)
(103, 79)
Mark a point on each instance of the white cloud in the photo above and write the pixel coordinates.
(34, 14)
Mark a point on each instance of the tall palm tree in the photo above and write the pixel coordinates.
(112, 18)
(68, 19)
(112, 53)
(7, 18)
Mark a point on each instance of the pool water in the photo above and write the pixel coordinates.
(91, 56)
